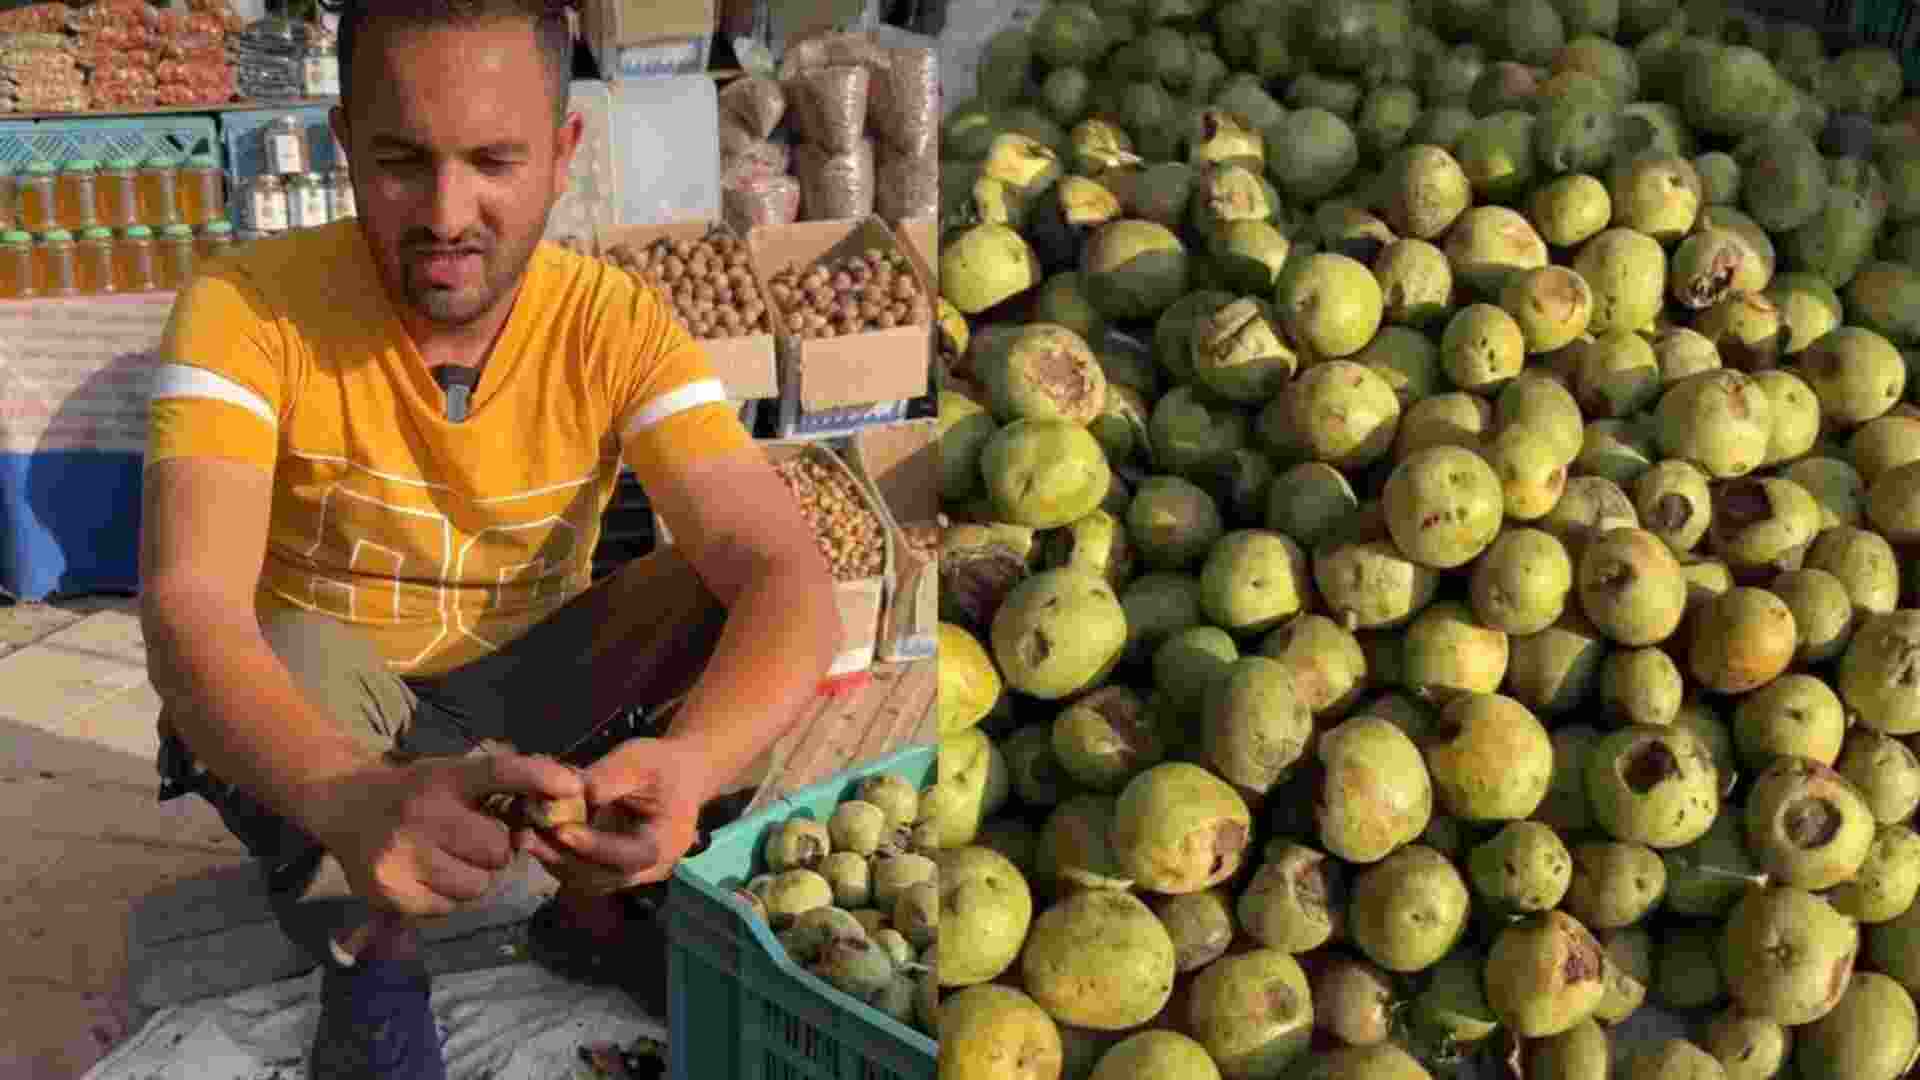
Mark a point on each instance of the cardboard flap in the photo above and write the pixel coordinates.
(631, 22)
(884, 366)
(903, 463)
(920, 237)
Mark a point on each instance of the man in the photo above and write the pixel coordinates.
(378, 457)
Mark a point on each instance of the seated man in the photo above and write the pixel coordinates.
(379, 453)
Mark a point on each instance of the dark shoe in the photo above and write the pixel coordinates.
(634, 961)
(376, 1023)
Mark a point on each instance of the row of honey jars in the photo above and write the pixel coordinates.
(100, 261)
(120, 194)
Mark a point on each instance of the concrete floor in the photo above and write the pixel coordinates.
(77, 785)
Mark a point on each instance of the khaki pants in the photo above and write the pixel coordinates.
(605, 667)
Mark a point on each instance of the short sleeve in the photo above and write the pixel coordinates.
(219, 383)
(670, 406)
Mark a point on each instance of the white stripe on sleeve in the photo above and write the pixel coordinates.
(673, 402)
(187, 381)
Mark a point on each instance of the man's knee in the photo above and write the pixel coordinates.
(341, 672)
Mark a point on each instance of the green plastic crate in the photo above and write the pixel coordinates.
(1890, 23)
(737, 1007)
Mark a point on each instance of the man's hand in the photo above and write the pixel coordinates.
(414, 840)
(646, 797)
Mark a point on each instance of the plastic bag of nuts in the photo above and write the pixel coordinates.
(851, 294)
(835, 187)
(756, 102)
(765, 158)
(908, 186)
(707, 282)
(747, 200)
(908, 101)
(845, 526)
(832, 106)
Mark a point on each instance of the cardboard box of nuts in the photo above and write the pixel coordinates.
(852, 531)
(706, 272)
(853, 316)
(901, 463)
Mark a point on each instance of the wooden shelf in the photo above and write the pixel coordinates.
(182, 110)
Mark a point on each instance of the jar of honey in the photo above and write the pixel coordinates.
(285, 141)
(93, 262)
(216, 239)
(174, 258)
(36, 197)
(340, 203)
(16, 265)
(73, 198)
(306, 202)
(8, 197)
(133, 261)
(53, 268)
(115, 195)
(201, 190)
(158, 203)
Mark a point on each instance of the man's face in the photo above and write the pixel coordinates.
(457, 160)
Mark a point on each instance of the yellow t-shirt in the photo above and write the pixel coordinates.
(440, 541)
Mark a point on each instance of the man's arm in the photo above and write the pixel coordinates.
(203, 540)
(743, 532)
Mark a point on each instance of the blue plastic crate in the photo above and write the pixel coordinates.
(738, 1007)
(795, 422)
(104, 138)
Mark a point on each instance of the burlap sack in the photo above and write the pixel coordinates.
(908, 185)
(832, 106)
(834, 187)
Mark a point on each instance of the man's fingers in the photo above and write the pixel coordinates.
(624, 852)
(538, 846)
(477, 839)
(453, 879)
(518, 774)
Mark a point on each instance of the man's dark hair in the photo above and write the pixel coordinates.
(553, 33)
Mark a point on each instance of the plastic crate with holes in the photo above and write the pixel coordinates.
(738, 1007)
(105, 138)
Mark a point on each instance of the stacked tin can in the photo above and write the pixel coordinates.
(291, 192)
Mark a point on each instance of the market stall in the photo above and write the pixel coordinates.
(816, 306)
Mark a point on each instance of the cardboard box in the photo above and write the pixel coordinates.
(858, 369)
(860, 601)
(745, 364)
(900, 463)
(641, 39)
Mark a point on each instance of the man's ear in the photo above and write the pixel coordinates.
(566, 143)
(337, 123)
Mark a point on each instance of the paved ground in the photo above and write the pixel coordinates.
(77, 786)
